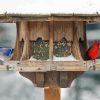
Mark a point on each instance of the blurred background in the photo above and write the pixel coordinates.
(15, 87)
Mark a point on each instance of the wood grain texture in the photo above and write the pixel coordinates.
(63, 29)
(27, 66)
(18, 46)
(75, 45)
(52, 93)
(64, 79)
(40, 79)
(39, 29)
(67, 77)
(41, 17)
(29, 75)
(73, 75)
(51, 38)
(24, 35)
(52, 78)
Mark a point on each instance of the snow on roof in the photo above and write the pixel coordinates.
(50, 6)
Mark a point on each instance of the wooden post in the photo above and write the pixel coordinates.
(18, 50)
(51, 40)
(75, 46)
(24, 29)
(52, 93)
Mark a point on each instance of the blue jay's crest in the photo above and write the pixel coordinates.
(6, 51)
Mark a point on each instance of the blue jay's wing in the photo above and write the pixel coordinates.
(6, 51)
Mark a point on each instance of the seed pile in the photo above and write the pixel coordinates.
(62, 48)
(40, 49)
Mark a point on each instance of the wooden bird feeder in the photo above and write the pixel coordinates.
(51, 28)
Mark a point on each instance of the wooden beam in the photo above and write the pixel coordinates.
(40, 17)
(24, 35)
(44, 66)
(17, 53)
(51, 44)
(52, 79)
(51, 40)
(75, 45)
(30, 75)
(52, 93)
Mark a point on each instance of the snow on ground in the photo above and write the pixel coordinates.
(50, 6)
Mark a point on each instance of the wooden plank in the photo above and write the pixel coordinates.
(71, 66)
(39, 29)
(40, 79)
(51, 78)
(73, 75)
(64, 79)
(51, 39)
(52, 93)
(29, 75)
(43, 66)
(24, 35)
(40, 17)
(48, 76)
(82, 40)
(17, 51)
(75, 45)
(63, 29)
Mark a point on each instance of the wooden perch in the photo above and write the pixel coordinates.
(44, 66)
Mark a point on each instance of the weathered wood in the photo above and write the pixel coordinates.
(63, 29)
(39, 29)
(52, 79)
(24, 35)
(40, 79)
(64, 79)
(52, 93)
(67, 77)
(51, 39)
(41, 17)
(18, 46)
(72, 75)
(75, 45)
(29, 75)
(38, 66)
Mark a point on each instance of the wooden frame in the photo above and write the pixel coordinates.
(41, 71)
(44, 66)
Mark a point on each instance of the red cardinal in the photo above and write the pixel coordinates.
(93, 51)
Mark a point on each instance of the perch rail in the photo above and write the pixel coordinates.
(44, 66)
